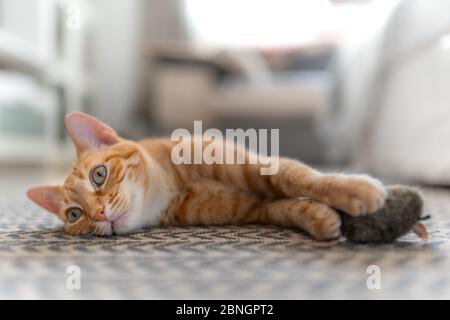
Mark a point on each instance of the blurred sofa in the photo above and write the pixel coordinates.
(391, 110)
(189, 84)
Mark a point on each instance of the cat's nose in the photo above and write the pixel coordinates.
(99, 214)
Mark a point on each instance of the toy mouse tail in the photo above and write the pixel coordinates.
(420, 230)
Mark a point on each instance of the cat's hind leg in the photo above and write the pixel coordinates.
(316, 218)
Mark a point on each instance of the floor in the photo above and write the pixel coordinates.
(256, 262)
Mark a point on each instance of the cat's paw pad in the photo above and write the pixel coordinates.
(323, 222)
(357, 194)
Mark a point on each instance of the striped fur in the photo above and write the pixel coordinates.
(145, 188)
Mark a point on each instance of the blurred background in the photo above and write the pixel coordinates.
(353, 85)
(350, 83)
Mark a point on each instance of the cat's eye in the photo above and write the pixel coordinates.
(73, 214)
(98, 175)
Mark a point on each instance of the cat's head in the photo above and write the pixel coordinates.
(103, 193)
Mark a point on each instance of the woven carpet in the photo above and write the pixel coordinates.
(256, 262)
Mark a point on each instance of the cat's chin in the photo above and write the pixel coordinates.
(103, 228)
(107, 228)
(120, 225)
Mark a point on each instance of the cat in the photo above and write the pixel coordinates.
(117, 186)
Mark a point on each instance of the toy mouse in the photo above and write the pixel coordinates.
(401, 213)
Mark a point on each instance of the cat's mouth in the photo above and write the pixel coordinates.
(117, 220)
(109, 227)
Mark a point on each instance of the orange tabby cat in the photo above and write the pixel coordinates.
(118, 186)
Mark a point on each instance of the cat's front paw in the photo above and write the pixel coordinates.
(323, 222)
(356, 194)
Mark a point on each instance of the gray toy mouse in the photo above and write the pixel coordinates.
(400, 214)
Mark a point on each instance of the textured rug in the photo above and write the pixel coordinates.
(257, 262)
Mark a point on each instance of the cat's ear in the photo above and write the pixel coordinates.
(47, 197)
(87, 132)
